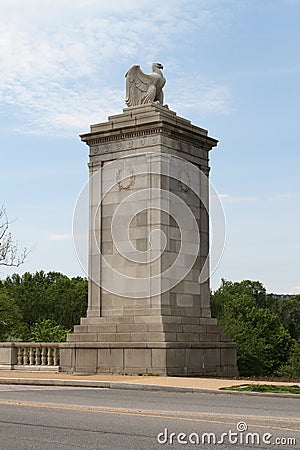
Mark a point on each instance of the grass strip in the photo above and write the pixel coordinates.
(280, 389)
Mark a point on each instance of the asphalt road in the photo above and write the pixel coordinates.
(79, 418)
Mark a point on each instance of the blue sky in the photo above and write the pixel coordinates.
(232, 67)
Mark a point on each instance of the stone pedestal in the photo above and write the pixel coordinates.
(8, 355)
(148, 310)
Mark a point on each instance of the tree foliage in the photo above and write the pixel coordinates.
(252, 319)
(48, 331)
(32, 298)
(288, 310)
(12, 325)
(292, 367)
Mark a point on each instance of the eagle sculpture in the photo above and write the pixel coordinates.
(143, 87)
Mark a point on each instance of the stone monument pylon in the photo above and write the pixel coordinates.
(148, 305)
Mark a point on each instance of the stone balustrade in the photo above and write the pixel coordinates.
(30, 356)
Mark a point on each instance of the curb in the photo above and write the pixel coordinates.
(135, 387)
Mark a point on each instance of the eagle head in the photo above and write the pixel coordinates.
(158, 65)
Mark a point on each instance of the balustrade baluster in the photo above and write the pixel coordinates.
(31, 356)
(25, 356)
(20, 356)
(44, 356)
(38, 356)
(50, 359)
(56, 357)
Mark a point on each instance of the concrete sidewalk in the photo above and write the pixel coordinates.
(153, 383)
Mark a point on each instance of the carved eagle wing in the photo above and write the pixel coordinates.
(137, 86)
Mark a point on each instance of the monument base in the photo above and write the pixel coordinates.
(182, 347)
(168, 359)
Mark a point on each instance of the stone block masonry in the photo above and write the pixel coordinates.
(148, 313)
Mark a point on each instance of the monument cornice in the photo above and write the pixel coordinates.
(123, 136)
(147, 120)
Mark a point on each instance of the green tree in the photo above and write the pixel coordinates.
(67, 300)
(292, 367)
(288, 310)
(12, 326)
(48, 331)
(42, 296)
(263, 342)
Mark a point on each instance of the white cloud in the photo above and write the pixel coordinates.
(196, 96)
(289, 196)
(62, 66)
(231, 199)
